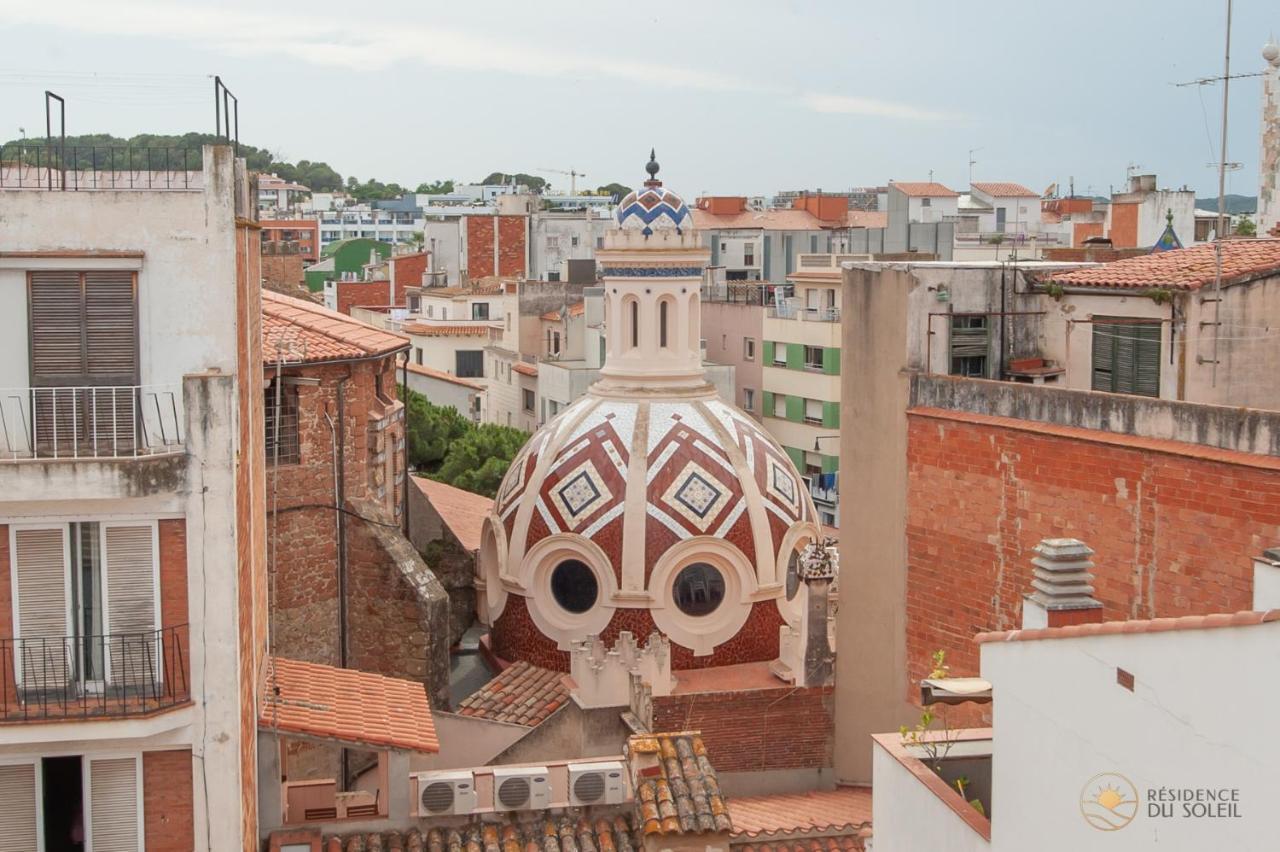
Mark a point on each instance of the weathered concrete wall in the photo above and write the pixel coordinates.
(568, 733)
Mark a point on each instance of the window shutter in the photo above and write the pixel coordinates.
(1126, 367)
(110, 328)
(57, 326)
(113, 805)
(19, 823)
(767, 348)
(831, 414)
(795, 356)
(831, 361)
(1103, 357)
(131, 604)
(41, 561)
(1147, 359)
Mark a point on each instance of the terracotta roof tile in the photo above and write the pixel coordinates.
(541, 832)
(424, 370)
(460, 329)
(346, 705)
(462, 512)
(1153, 625)
(521, 695)
(847, 808)
(677, 791)
(524, 368)
(307, 331)
(1005, 190)
(846, 842)
(577, 309)
(770, 220)
(866, 219)
(1182, 269)
(924, 189)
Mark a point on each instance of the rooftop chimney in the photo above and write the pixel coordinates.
(1062, 583)
(1266, 580)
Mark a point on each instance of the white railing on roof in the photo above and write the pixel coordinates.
(793, 308)
(110, 421)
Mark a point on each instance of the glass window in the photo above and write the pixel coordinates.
(699, 589)
(749, 348)
(749, 399)
(281, 424)
(813, 410)
(813, 357)
(780, 354)
(574, 586)
(480, 310)
(528, 400)
(779, 405)
(970, 341)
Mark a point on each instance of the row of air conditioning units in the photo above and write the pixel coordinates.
(520, 788)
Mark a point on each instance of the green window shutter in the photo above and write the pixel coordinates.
(1146, 359)
(831, 415)
(831, 361)
(795, 408)
(767, 255)
(1126, 357)
(796, 456)
(795, 356)
(830, 464)
(768, 404)
(768, 352)
(1104, 357)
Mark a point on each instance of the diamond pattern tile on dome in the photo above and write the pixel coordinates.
(579, 493)
(781, 484)
(696, 495)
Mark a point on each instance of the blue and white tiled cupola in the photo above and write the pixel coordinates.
(653, 207)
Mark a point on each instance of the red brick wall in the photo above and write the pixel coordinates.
(173, 587)
(761, 729)
(511, 244)
(407, 271)
(167, 802)
(480, 231)
(1175, 529)
(362, 293)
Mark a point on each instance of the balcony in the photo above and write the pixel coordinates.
(107, 422)
(93, 677)
(794, 310)
(830, 496)
(37, 166)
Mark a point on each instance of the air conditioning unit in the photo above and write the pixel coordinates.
(524, 788)
(601, 783)
(443, 793)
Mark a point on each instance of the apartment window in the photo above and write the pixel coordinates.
(573, 241)
(469, 364)
(749, 348)
(926, 202)
(417, 355)
(970, 344)
(528, 400)
(748, 254)
(779, 405)
(779, 354)
(479, 310)
(599, 242)
(813, 410)
(1126, 356)
(724, 247)
(431, 310)
(57, 787)
(555, 343)
(282, 423)
(813, 357)
(553, 243)
(749, 399)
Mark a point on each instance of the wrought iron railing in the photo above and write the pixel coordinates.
(33, 165)
(121, 674)
(114, 421)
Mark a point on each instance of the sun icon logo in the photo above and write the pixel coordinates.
(1109, 801)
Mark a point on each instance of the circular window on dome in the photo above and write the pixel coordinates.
(793, 575)
(699, 589)
(574, 586)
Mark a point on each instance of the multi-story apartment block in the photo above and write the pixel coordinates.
(132, 583)
(277, 196)
(301, 235)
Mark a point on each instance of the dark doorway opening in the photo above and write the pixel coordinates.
(63, 804)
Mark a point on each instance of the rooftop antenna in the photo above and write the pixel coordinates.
(972, 163)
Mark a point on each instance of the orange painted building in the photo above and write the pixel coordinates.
(305, 233)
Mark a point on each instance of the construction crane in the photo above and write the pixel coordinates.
(573, 177)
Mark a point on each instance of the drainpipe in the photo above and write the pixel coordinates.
(404, 452)
(340, 501)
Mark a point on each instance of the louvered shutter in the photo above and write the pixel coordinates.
(113, 805)
(1104, 357)
(57, 329)
(1146, 359)
(1125, 363)
(41, 562)
(110, 328)
(19, 826)
(131, 604)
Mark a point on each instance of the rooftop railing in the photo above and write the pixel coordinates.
(79, 677)
(791, 309)
(77, 168)
(115, 421)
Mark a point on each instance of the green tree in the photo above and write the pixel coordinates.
(1246, 228)
(479, 459)
(430, 429)
(617, 190)
(439, 187)
(535, 184)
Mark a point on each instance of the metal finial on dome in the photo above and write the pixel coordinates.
(652, 168)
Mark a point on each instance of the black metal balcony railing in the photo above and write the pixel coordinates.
(98, 167)
(80, 677)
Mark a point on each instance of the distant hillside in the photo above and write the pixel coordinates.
(1235, 203)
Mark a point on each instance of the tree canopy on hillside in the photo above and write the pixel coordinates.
(534, 183)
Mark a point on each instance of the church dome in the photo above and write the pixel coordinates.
(653, 206)
(650, 503)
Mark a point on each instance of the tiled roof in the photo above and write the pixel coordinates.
(544, 833)
(1005, 190)
(462, 512)
(346, 705)
(844, 808)
(1152, 625)
(924, 189)
(1182, 269)
(575, 310)
(770, 220)
(433, 373)
(524, 368)
(866, 219)
(677, 791)
(521, 695)
(451, 330)
(310, 332)
(846, 842)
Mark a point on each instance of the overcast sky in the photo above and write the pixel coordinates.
(738, 97)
